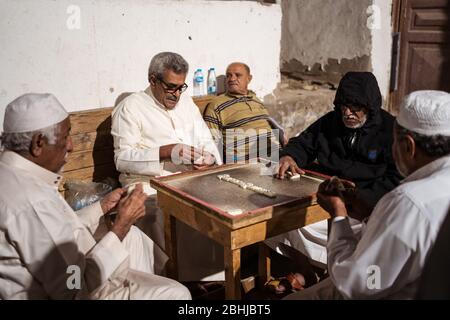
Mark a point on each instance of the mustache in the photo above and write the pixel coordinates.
(172, 98)
(350, 118)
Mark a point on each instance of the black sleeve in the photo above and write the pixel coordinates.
(391, 177)
(370, 196)
(303, 148)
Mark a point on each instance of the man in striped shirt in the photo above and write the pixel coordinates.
(239, 121)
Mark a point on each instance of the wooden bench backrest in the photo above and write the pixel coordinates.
(92, 158)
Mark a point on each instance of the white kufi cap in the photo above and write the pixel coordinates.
(33, 111)
(426, 112)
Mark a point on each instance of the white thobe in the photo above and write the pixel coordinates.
(388, 259)
(140, 126)
(46, 249)
(310, 240)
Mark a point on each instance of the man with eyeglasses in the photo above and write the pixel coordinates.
(159, 131)
(352, 142)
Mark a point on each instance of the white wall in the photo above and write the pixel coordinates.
(381, 51)
(109, 55)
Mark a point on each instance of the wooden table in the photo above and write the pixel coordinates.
(202, 201)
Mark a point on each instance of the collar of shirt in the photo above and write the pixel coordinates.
(15, 160)
(250, 95)
(428, 169)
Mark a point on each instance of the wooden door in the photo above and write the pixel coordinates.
(424, 48)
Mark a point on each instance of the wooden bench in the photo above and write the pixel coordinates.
(92, 158)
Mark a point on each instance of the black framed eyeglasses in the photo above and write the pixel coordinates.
(169, 88)
(353, 108)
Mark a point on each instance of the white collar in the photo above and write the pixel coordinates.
(14, 160)
(429, 168)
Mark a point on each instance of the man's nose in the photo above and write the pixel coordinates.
(69, 144)
(177, 93)
(346, 111)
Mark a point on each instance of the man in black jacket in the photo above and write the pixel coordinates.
(352, 142)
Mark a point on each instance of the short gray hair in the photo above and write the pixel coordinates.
(21, 141)
(167, 61)
(434, 146)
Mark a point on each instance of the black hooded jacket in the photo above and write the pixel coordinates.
(361, 155)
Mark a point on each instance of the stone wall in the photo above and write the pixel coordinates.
(296, 105)
(323, 39)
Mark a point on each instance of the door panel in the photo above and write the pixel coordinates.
(424, 63)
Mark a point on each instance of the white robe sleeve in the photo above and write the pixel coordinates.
(376, 266)
(90, 216)
(128, 155)
(51, 247)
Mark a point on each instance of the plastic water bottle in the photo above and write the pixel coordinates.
(212, 82)
(198, 83)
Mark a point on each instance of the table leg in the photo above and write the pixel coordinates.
(170, 234)
(232, 259)
(263, 264)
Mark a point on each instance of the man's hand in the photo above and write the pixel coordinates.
(187, 154)
(357, 208)
(130, 209)
(330, 196)
(110, 201)
(205, 161)
(287, 163)
(179, 153)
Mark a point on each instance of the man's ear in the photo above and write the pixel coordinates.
(152, 80)
(250, 77)
(410, 146)
(37, 143)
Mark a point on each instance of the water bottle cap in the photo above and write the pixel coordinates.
(199, 70)
(212, 69)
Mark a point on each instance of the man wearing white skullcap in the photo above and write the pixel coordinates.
(47, 251)
(32, 111)
(388, 259)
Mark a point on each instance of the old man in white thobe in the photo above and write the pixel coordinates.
(388, 259)
(154, 130)
(48, 251)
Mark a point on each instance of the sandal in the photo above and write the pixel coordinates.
(292, 282)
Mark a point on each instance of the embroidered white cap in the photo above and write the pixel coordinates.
(426, 112)
(33, 111)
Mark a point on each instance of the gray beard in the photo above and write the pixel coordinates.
(359, 125)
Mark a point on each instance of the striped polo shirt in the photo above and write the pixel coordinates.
(239, 123)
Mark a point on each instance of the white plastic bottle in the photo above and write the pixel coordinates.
(212, 82)
(199, 83)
